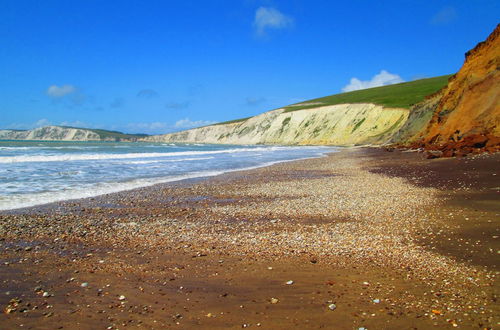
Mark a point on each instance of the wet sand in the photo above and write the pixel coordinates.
(361, 238)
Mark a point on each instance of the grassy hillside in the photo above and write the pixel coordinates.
(401, 95)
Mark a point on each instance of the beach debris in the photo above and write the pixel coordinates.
(332, 307)
(12, 306)
(274, 300)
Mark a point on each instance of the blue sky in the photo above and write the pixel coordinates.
(159, 66)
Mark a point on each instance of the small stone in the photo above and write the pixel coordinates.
(376, 301)
(332, 307)
(46, 294)
(289, 282)
(274, 300)
(84, 285)
(122, 297)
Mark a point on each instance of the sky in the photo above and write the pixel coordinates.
(161, 66)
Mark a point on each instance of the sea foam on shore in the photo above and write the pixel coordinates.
(34, 173)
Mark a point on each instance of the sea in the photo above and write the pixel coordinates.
(34, 173)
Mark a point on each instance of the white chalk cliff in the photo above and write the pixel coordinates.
(342, 124)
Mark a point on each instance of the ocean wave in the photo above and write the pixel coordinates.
(27, 200)
(165, 160)
(76, 157)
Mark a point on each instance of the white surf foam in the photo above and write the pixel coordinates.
(27, 200)
(76, 157)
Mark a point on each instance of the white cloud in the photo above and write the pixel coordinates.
(58, 92)
(444, 16)
(381, 79)
(148, 126)
(188, 123)
(76, 123)
(270, 18)
(41, 123)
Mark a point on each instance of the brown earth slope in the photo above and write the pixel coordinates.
(467, 117)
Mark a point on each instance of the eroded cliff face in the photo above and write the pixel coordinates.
(343, 124)
(51, 133)
(466, 117)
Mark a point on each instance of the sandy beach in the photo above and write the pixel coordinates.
(362, 238)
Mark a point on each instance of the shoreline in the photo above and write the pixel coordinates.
(138, 183)
(191, 253)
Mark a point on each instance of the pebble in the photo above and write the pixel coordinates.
(376, 301)
(46, 294)
(122, 297)
(289, 282)
(274, 300)
(332, 307)
(84, 285)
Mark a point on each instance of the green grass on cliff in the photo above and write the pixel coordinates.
(402, 95)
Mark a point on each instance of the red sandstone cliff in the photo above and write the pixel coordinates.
(467, 117)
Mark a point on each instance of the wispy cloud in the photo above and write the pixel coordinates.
(253, 101)
(67, 95)
(147, 93)
(117, 103)
(149, 128)
(270, 18)
(381, 79)
(41, 123)
(188, 123)
(57, 92)
(76, 123)
(45, 122)
(444, 16)
(177, 105)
